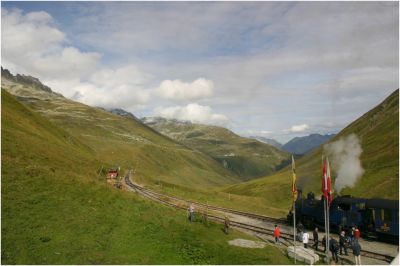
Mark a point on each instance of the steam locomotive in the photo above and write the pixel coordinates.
(376, 218)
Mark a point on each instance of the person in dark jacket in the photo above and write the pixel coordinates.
(357, 252)
(342, 243)
(300, 227)
(315, 237)
(353, 228)
(334, 248)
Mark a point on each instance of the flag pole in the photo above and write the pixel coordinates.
(327, 221)
(294, 230)
(326, 232)
(325, 216)
(294, 192)
(328, 199)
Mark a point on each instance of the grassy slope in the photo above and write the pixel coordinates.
(121, 141)
(378, 130)
(55, 210)
(248, 158)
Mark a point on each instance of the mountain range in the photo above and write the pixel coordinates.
(269, 141)
(120, 139)
(297, 145)
(206, 159)
(302, 145)
(247, 158)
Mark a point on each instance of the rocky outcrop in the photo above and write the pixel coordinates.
(25, 80)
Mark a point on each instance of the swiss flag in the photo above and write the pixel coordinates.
(326, 181)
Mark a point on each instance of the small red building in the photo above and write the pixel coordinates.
(112, 173)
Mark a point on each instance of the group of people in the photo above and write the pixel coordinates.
(191, 217)
(351, 240)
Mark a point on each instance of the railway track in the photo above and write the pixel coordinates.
(216, 208)
(288, 238)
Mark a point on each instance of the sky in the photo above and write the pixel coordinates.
(272, 69)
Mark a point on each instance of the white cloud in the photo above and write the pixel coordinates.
(122, 87)
(258, 133)
(299, 128)
(32, 44)
(193, 112)
(342, 58)
(266, 132)
(178, 90)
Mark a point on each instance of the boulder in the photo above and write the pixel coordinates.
(307, 256)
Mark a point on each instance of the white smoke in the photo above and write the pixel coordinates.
(345, 156)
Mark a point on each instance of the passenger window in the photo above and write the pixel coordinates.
(360, 206)
(387, 215)
(344, 207)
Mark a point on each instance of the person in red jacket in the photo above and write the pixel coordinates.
(277, 233)
(357, 234)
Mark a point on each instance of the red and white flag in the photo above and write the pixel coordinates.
(326, 181)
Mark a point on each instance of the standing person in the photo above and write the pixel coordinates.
(342, 243)
(352, 235)
(227, 223)
(334, 247)
(277, 233)
(357, 234)
(315, 237)
(348, 236)
(357, 252)
(324, 242)
(306, 236)
(191, 212)
(300, 227)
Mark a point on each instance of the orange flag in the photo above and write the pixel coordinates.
(294, 188)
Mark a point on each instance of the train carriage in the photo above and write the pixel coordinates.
(382, 216)
(376, 218)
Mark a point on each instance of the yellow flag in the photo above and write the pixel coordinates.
(294, 189)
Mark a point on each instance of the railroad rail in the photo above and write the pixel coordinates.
(287, 237)
(217, 208)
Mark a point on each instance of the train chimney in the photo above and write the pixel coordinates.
(299, 193)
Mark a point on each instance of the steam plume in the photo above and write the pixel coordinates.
(345, 155)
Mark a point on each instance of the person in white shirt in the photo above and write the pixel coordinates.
(191, 212)
(306, 236)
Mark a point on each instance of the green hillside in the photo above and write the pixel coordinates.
(56, 211)
(247, 158)
(378, 131)
(121, 141)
